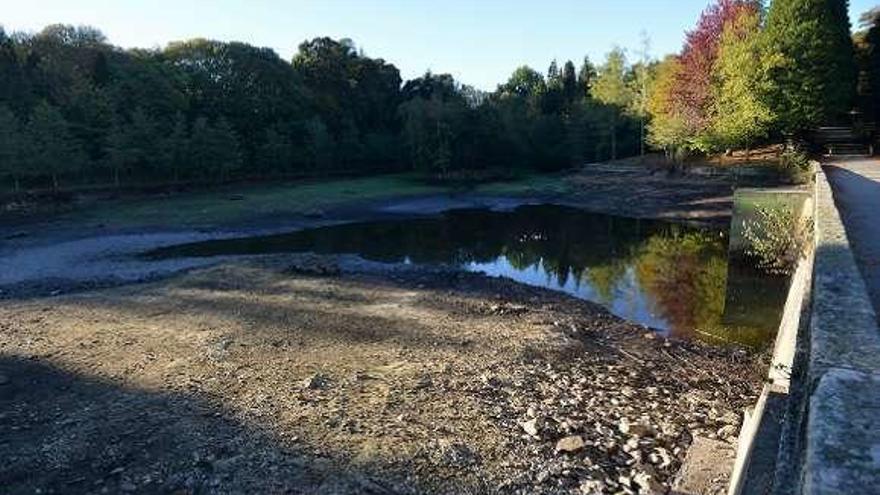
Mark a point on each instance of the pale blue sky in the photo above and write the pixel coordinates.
(479, 42)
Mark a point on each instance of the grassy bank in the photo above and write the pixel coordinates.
(238, 204)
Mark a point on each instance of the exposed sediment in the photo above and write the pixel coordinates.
(262, 376)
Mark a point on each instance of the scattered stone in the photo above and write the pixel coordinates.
(455, 454)
(591, 487)
(573, 443)
(729, 418)
(316, 381)
(661, 457)
(642, 430)
(531, 427)
(542, 476)
(424, 382)
(648, 485)
(727, 431)
(631, 445)
(574, 421)
(493, 381)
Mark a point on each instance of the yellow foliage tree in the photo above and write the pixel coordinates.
(740, 114)
(666, 130)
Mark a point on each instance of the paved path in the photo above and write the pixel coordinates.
(856, 187)
(841, 441)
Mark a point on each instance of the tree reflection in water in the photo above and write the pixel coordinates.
(664, 275)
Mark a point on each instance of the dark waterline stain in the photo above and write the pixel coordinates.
(666, 276)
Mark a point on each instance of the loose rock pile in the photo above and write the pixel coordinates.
(595, 427)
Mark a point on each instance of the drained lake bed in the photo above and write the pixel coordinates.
(670, 277)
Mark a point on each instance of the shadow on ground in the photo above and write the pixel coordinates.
(62, 432)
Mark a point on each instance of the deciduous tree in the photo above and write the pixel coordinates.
(51, 147)
(11, 152)
(667, 129)
(612, 89)
(740, 114)
(692, 94)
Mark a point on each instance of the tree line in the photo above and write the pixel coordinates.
(748, 73)
(75, 109)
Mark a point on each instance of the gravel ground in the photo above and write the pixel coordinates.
(290, 375)
(297, 374)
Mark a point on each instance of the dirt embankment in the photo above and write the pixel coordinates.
(255, 378)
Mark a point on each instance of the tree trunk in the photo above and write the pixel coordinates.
(116, 177)
(614, 142)
(641, 136)
(16, 186)
(54, 182)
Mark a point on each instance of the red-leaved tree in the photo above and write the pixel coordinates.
(691, 96)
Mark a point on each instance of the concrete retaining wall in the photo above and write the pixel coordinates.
(827, 432)
(754, 467)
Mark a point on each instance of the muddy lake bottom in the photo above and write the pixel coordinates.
(588, 361)
(252, 377)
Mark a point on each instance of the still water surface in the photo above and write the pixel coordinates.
(666, 276)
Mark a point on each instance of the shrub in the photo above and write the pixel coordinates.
(795, 167)
(777, 239)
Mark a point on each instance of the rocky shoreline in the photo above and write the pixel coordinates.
(308, 378)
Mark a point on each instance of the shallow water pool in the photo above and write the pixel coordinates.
(667, 276)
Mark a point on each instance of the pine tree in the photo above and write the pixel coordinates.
(586, 77)
(569, 82)
(553, 73)
(867, 47)
(814, 81)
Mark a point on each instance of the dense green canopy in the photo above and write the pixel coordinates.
(815, 79)
(79, 110)
(75, 109)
